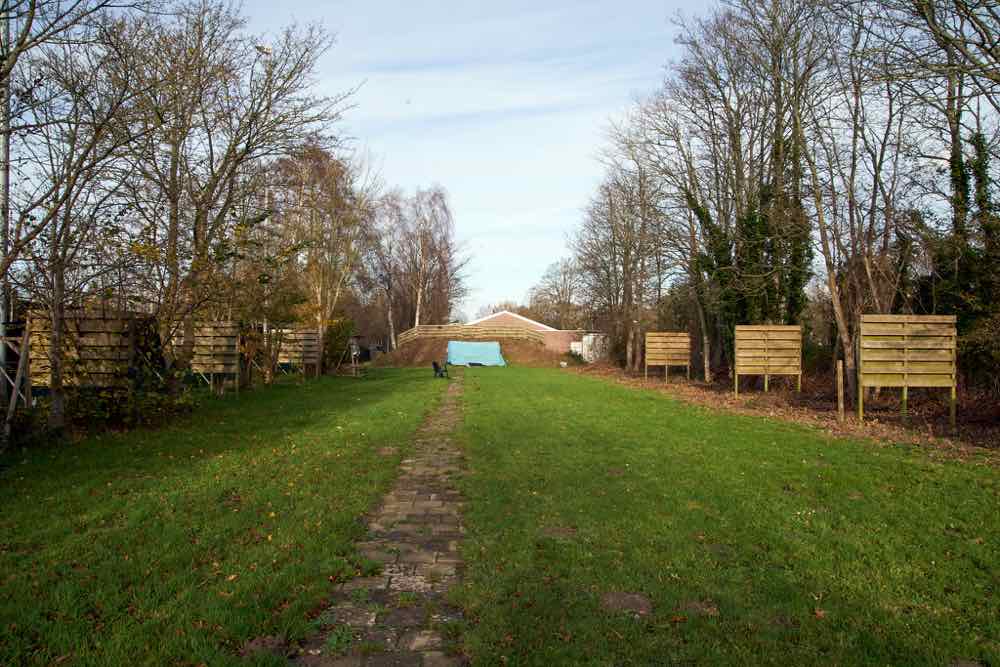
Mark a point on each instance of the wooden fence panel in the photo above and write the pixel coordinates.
(216, 348)
(299, 347)
(468, 332)
(768, 349)
(907, 351)
(668, 348)
(97, 348)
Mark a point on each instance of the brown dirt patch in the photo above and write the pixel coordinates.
(515, 353)
(266, 644)
(559, 532)
(633, 603)
(700, 608)
(978, 419)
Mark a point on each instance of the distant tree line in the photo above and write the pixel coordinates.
(802, 162)
(165, 160)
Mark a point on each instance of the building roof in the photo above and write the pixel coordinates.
(538, 325)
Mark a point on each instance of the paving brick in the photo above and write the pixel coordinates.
(416, 534)
(421, 640)
(369, 583)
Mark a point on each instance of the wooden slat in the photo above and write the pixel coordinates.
(469, 332)
(909, 329)
(910, 380)
(922, 343)
(767, 370)
(893, 319)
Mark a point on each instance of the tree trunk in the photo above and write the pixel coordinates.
(57, 410)
(843, 327)
(706, 345)
(320, 330)
(629, 340)
(392, 326)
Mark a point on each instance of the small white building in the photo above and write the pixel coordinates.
(592, 347)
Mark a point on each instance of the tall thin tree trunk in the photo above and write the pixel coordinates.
(706, 345)
(843, 328)
(392, 326)
(57, 315)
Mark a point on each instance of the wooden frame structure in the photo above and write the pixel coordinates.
(98, 347)
(768, 349)
(20, 386)
(468, 332)
(668, 348)
(216, 351)
(907, 351)
(301, 348)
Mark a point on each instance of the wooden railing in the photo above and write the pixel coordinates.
(468, 332)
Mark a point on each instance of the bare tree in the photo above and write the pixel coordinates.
(224, 103)
(80, 133)
(554, 300)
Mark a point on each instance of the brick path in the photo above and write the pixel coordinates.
(401, 617)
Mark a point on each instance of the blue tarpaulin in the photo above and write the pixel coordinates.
(463, 353)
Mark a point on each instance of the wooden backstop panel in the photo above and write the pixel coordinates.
(668, 348)
(768, 349)
(468, 332)
(216, 348)
(907, 351)
(97, 348)
(299, 347)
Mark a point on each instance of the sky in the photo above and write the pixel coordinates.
(505, 104)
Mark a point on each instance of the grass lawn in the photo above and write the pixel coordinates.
(756, 541)
(176, 546)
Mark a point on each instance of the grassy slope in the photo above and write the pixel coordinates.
(813, 550)
(176, 546)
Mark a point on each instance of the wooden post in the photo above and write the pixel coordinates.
(953, 408)
(903, 407)
(666, 373)
(29, 400)
(861, 385)
(798, 383)
(736, 383)
(840, 390)
(688, 372)
(22, 367)
(767, 379)
(647, 372)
